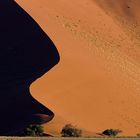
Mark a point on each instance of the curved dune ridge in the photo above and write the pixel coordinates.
(26, 53)
(97, 84)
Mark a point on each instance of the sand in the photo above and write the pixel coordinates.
(97, 82)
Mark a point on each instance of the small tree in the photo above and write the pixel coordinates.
(70, 131)
(111, 132)
(34, 130)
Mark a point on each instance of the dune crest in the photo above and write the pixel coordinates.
(26, 53)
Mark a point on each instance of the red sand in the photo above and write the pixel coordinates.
(97, 83)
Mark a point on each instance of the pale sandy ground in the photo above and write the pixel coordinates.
(97, 83)
(38, 138)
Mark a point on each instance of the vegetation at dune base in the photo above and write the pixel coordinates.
(70, 131)
(34, 130)
(111, 132)
(138, 135)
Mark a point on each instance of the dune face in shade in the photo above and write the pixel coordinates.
(26, 53)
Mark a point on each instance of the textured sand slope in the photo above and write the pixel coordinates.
(97, 84)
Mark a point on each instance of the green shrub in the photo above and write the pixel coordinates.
(70, 131)
(111, 132)
(34, 130)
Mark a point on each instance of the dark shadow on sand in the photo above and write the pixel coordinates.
(26, 53)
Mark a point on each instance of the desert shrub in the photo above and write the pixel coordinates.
(34, 130)
(138, 135)
(70, 131)
(111, 132)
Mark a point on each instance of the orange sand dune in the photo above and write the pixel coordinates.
(97, 83)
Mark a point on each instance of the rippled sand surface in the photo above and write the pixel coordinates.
(97, 83)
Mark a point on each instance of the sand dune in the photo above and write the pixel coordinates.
(21, 63)
(97, 83)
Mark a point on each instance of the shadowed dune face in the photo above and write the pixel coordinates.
(26, 53)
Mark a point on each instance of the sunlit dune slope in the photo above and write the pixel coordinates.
(97, 83)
